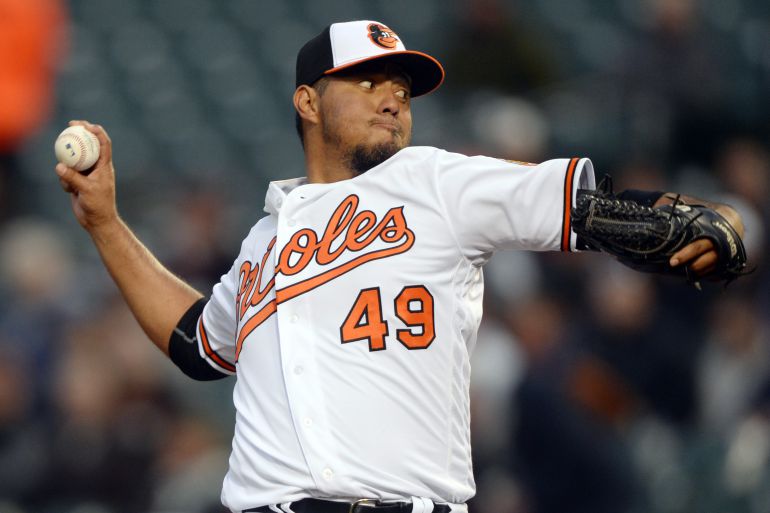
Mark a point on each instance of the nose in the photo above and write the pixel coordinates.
(389, 102)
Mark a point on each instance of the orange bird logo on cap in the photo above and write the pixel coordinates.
(382, 36)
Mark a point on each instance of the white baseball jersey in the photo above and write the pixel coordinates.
(350, 315)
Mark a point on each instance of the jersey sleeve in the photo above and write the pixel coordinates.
(494, 204)
(216, 325)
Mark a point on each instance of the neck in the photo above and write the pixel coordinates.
(326, 165)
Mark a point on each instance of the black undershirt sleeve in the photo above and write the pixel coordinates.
(183, 346)
(646, 198)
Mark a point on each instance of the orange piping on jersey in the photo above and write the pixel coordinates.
(566, 229)
(210, 352)
(252, 324)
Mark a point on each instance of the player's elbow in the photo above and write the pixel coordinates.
(183, 347)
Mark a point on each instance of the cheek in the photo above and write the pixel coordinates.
(406, 121)
(340, 118)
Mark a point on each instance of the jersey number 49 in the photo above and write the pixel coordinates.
(413, 307)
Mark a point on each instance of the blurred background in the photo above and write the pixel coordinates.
(595, 389)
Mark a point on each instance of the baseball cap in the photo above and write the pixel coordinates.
(343, 45)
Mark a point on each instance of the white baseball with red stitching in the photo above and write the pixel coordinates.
(77, 148)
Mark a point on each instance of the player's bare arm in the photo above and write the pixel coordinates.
(157, 298)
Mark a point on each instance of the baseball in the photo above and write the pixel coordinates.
(77, 148)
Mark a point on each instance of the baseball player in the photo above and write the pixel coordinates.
(351, 311)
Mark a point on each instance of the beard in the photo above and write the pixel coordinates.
(362, 158)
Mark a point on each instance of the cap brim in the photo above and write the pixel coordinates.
(426, 73)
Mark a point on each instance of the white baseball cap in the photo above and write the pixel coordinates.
(343, 45)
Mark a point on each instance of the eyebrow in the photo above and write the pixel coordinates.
(393, 70)
(401, 77)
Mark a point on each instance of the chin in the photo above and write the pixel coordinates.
(364, 157)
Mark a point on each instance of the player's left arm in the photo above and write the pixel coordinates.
(700, 255)
(659, 232)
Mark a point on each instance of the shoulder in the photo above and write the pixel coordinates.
(422, 159)
(413, 154)
(414, 158)
(263, 230)
(445, 158)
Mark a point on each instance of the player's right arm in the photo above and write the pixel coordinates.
(157, 298)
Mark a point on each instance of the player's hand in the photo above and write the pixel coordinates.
(92, 193)
(701, 256)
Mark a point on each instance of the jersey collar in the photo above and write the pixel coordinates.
(277, 192)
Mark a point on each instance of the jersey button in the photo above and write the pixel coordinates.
(328, 474)
(294, 318)
(307, 422)
(298, 370)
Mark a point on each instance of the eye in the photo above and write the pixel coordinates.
(366, 84)
(402, 93)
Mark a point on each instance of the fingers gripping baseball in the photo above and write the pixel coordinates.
(93, 193)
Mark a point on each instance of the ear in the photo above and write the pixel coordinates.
(306, 103)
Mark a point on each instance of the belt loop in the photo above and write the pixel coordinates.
(422, 505)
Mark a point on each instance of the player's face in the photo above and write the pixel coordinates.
(366, 115)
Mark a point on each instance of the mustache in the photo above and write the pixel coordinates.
(389, 122)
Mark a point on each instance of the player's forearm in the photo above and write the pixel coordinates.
(157, 298)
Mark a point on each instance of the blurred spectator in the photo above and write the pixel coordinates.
(112, 416)
(36, 279)
(493, 47)
(508, 127)
(745, 473)
(673, 79)
(565, 447)
(190, 469)
(23, 435)
(638, 326)
(198, 245)
(734, 365)
(743, 166)
(32, 40)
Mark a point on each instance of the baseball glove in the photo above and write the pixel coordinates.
(645, 238)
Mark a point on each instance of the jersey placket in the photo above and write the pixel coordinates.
(298, 352)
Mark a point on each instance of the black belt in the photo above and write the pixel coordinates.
(362, 506)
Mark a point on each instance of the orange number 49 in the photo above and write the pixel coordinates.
(414, 307)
